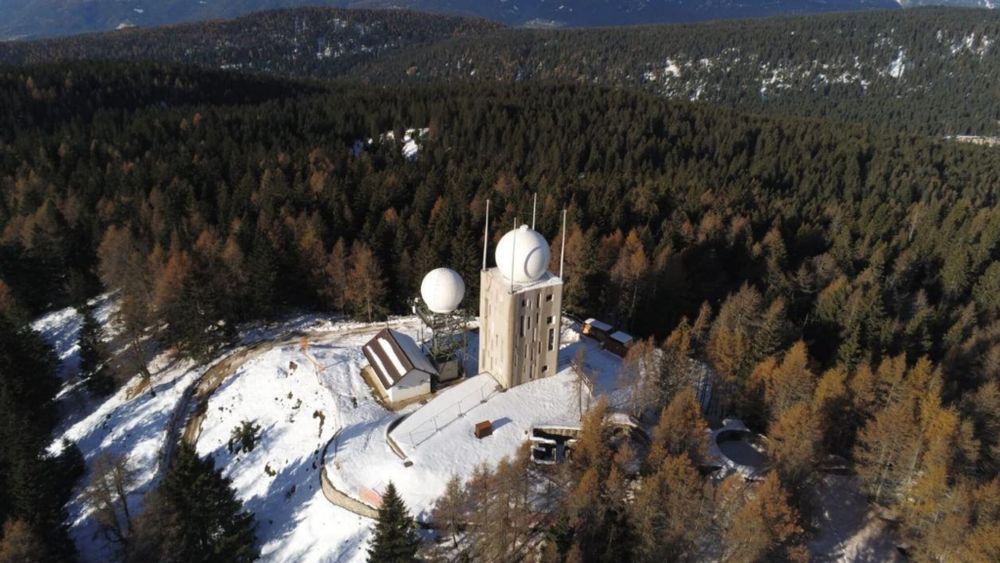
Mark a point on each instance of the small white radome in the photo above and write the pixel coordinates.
(442, 290)
(523, 255)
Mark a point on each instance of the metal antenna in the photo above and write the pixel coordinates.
(513, 255)
(486, 233)
(562, 253)
(534, 210)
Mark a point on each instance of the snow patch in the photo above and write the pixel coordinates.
(898, 66)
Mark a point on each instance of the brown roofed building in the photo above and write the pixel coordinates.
(401, 369)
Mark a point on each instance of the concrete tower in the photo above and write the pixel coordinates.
(520, 309)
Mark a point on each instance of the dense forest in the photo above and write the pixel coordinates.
(883, 68)
(828, 272)
(320, 42)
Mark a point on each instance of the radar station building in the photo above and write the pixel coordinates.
(520, 310)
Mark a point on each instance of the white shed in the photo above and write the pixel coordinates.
(401, 370)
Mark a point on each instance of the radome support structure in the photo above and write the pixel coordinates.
(520, 309)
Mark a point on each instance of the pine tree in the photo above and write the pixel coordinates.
(395, 538)
(94, 368)
(206, 521)
(592, 450)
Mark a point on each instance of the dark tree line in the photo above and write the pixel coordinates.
(34, 484)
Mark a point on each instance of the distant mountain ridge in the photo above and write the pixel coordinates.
(29, 19)
(895, 69)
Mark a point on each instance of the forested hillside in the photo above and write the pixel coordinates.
(203, 207)
(929, 71)
(319, 42)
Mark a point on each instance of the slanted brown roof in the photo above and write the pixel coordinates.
(393, 354)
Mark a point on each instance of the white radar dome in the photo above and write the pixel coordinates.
(523, 255)
(442, 290)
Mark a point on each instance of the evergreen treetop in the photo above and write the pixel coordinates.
(395, 538)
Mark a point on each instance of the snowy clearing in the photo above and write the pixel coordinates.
(313, 397)
(304, 402)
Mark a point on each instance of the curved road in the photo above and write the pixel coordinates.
(186, 418)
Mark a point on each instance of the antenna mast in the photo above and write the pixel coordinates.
(513, 255)
(534, 210)
(562, 253)
(486, 233)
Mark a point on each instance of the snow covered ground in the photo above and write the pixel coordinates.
(305, 399)
(279, 479)
(442, 443)
(61, 330)
(437, 437)
(118, 425)
(848, 531)
(136, 427)
(299, 409)
(301, 400)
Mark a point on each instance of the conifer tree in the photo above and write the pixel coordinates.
(395, 538)
(205, 520)
(94, 368)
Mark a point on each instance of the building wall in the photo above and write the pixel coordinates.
(518, 332)
(413, 384)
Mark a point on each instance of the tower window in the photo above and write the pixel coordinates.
(552, 339)
(548, 298)
(545, 369)
(550, 319)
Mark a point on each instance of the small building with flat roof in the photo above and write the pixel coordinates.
(401, 370)
(619, 343)
(598, 330)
